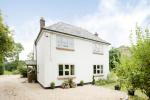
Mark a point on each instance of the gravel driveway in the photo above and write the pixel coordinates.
(12, 87)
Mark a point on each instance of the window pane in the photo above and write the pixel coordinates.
(98, 66)
(60, 73)
(60, 70)
(95, 67)
(66, 72)
(66, 66)
(98, 71)
(94, 71)
(72, 69)
(101, 71)
(101, 67)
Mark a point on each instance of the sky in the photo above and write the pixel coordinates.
(113, 20)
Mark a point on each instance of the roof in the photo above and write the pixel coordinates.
(30, 62)
(68, 29)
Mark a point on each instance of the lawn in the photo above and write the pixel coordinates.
(138, 94)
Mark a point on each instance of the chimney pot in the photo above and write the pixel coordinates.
(42, 22)
(96, 34)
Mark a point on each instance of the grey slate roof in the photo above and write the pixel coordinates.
(74, 30)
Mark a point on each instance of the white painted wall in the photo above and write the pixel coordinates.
(48, 59)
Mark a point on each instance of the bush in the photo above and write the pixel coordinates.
(52, 85)
(65, 85)
(104, 81)
(22, 68)
(1, 69)
(81, 83)
(93, 81)
(15, 72)
(68, 84)
(23, 71)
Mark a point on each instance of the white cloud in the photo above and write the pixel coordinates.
(114, 20)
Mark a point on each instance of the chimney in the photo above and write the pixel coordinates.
(96, 34)
(42, 22)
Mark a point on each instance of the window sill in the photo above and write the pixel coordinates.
(67, 49)
(98, 53)
(66, 77)
(98, 75)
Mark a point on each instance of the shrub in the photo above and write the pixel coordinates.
(93, 81)
(65, 85)
(1, 69)
(22, 68)
(81, 83)
(68, 84)
(15, 72)
(52, 85)
(23, 71)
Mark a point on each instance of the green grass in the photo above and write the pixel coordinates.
(138, 94)
(7, 72)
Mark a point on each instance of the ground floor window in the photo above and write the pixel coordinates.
(97, 69)
(66, 70)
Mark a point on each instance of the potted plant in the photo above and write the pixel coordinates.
(71, 83)
(52, 85)
(65, 85)
(81, 83)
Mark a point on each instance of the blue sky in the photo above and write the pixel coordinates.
(112, 19)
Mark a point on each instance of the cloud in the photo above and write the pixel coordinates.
(26, 34)
(115, 19)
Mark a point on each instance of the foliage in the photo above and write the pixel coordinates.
(52, 85)
(93, 80)
(81, 83)
(6, 41)
(65, 85)
(1, 69)
(22, 68)
(135, 70)
(10, 66)
(114, 58)
(68, 83)
(104, 81)
(30, 56)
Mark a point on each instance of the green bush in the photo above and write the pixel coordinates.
(52, 85)
(81, 83)
(22, 68)
(104, 81)
(23, 71)
(65, 85)
(15, 72)
(1, 69)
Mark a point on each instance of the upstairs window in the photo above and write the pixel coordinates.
(97, 69)
(98, 48)
(64, 42)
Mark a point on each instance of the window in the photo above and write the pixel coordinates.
(64, 42)
(66, 70)
(98, 48)
(97, 69)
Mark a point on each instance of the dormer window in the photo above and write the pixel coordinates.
(97, 48)
(64, 42)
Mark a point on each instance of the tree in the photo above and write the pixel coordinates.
(6, 42)
(30, 56)
(114, 58)
(136, 68)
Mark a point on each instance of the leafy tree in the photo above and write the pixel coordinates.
(30, 56)
(6, 41)
(114, 58)
(135, 70)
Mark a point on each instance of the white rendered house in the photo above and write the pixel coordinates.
(65, 51)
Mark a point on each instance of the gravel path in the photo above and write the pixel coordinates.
(12, 87)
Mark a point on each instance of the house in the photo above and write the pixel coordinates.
(65, 51)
